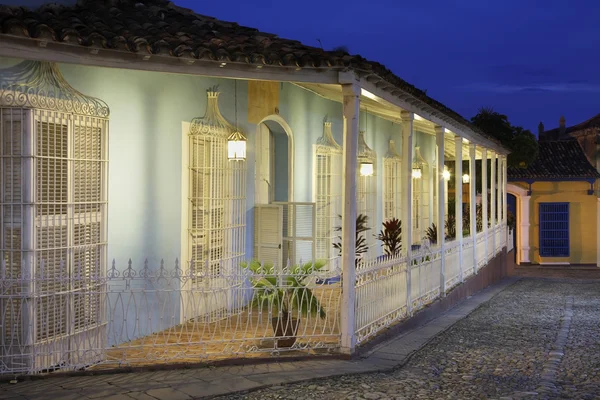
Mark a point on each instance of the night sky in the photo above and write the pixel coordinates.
(533, 60)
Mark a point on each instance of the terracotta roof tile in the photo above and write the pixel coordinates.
(161, 27)
(557, 159)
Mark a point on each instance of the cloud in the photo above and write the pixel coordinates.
(556, 87)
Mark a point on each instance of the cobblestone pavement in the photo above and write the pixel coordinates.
(503, 350)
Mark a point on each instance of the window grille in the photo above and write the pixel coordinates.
(328, 193)
(216, 199)
(421, 220)
(554, 229)
(392, 170)
(366, 193)
(53, 183)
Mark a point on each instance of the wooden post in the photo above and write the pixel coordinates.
(458, 206)
(407, 203)
(441, 205)
(473, 201)
(351, 105)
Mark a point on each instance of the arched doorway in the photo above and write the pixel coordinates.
(274, 161)
(520, 208)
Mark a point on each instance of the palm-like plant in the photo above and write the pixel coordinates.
(361, 240)
(450, 227)
(431, 234)
(285, 292)
(391, 236)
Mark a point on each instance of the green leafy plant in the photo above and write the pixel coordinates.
(431, 234)
(286, 295)
(391, 236)
(511, 220)
(286, 291)
(361, 240)
(450, 226)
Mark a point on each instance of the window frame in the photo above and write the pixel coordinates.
(546, 251)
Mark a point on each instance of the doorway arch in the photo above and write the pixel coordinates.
(522, 223)
(274, 133)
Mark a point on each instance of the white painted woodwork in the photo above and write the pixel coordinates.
(263, 185)
(268, 233)
(351, 107)
(442, 204)
(484, 198)
(473, 201)
(493, 199)
(458, 201)
(407, 203)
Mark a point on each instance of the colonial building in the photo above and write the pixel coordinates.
(148, 153)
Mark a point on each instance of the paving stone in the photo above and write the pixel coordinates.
(168, 394)
(498, 351)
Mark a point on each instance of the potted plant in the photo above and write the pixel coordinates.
(286, 295)
(391, 236)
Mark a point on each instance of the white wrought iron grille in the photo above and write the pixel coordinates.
(216, 206)
(420, 198)
(53, 209)
(392, 171)
(328, 193)
(366, 192)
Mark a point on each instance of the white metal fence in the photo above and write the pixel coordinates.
(388, 289)
(141, 313)
(146, 313)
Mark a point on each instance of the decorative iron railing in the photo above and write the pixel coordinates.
(153, 314)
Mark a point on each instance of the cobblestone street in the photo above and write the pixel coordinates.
(510, 347)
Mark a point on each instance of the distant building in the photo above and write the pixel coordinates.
(555, 198)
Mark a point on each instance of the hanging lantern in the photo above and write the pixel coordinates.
(466, 178)
(236, 146)
(416, 173)
(446, 174)
(366, 169)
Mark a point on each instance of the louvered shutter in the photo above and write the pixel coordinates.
(268, 225)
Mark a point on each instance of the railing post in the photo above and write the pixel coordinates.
(484, 201)
(458, 205)
(351, 106)
(441, 182)
(407, 203)
(493, 202)
(473, 201)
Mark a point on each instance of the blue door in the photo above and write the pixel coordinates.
(511, 204)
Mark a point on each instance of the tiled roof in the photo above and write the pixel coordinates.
(593, 122)
(161, 27)
(557, 159)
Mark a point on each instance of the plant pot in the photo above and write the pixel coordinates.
(285, 328)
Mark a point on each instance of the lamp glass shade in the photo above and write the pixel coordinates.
(416, 173)
(236, 146)
(366, 169)
(446, 174)
(466, 178)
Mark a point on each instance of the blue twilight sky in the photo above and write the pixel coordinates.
(532, 60)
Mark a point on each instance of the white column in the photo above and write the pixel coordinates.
(458, 206)
(407, 203)
(493, 203)
(484, 201)
(523, 229)
(351, 106)
(473, 201)
(441, 205)
(431, 183)
(504, 189)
